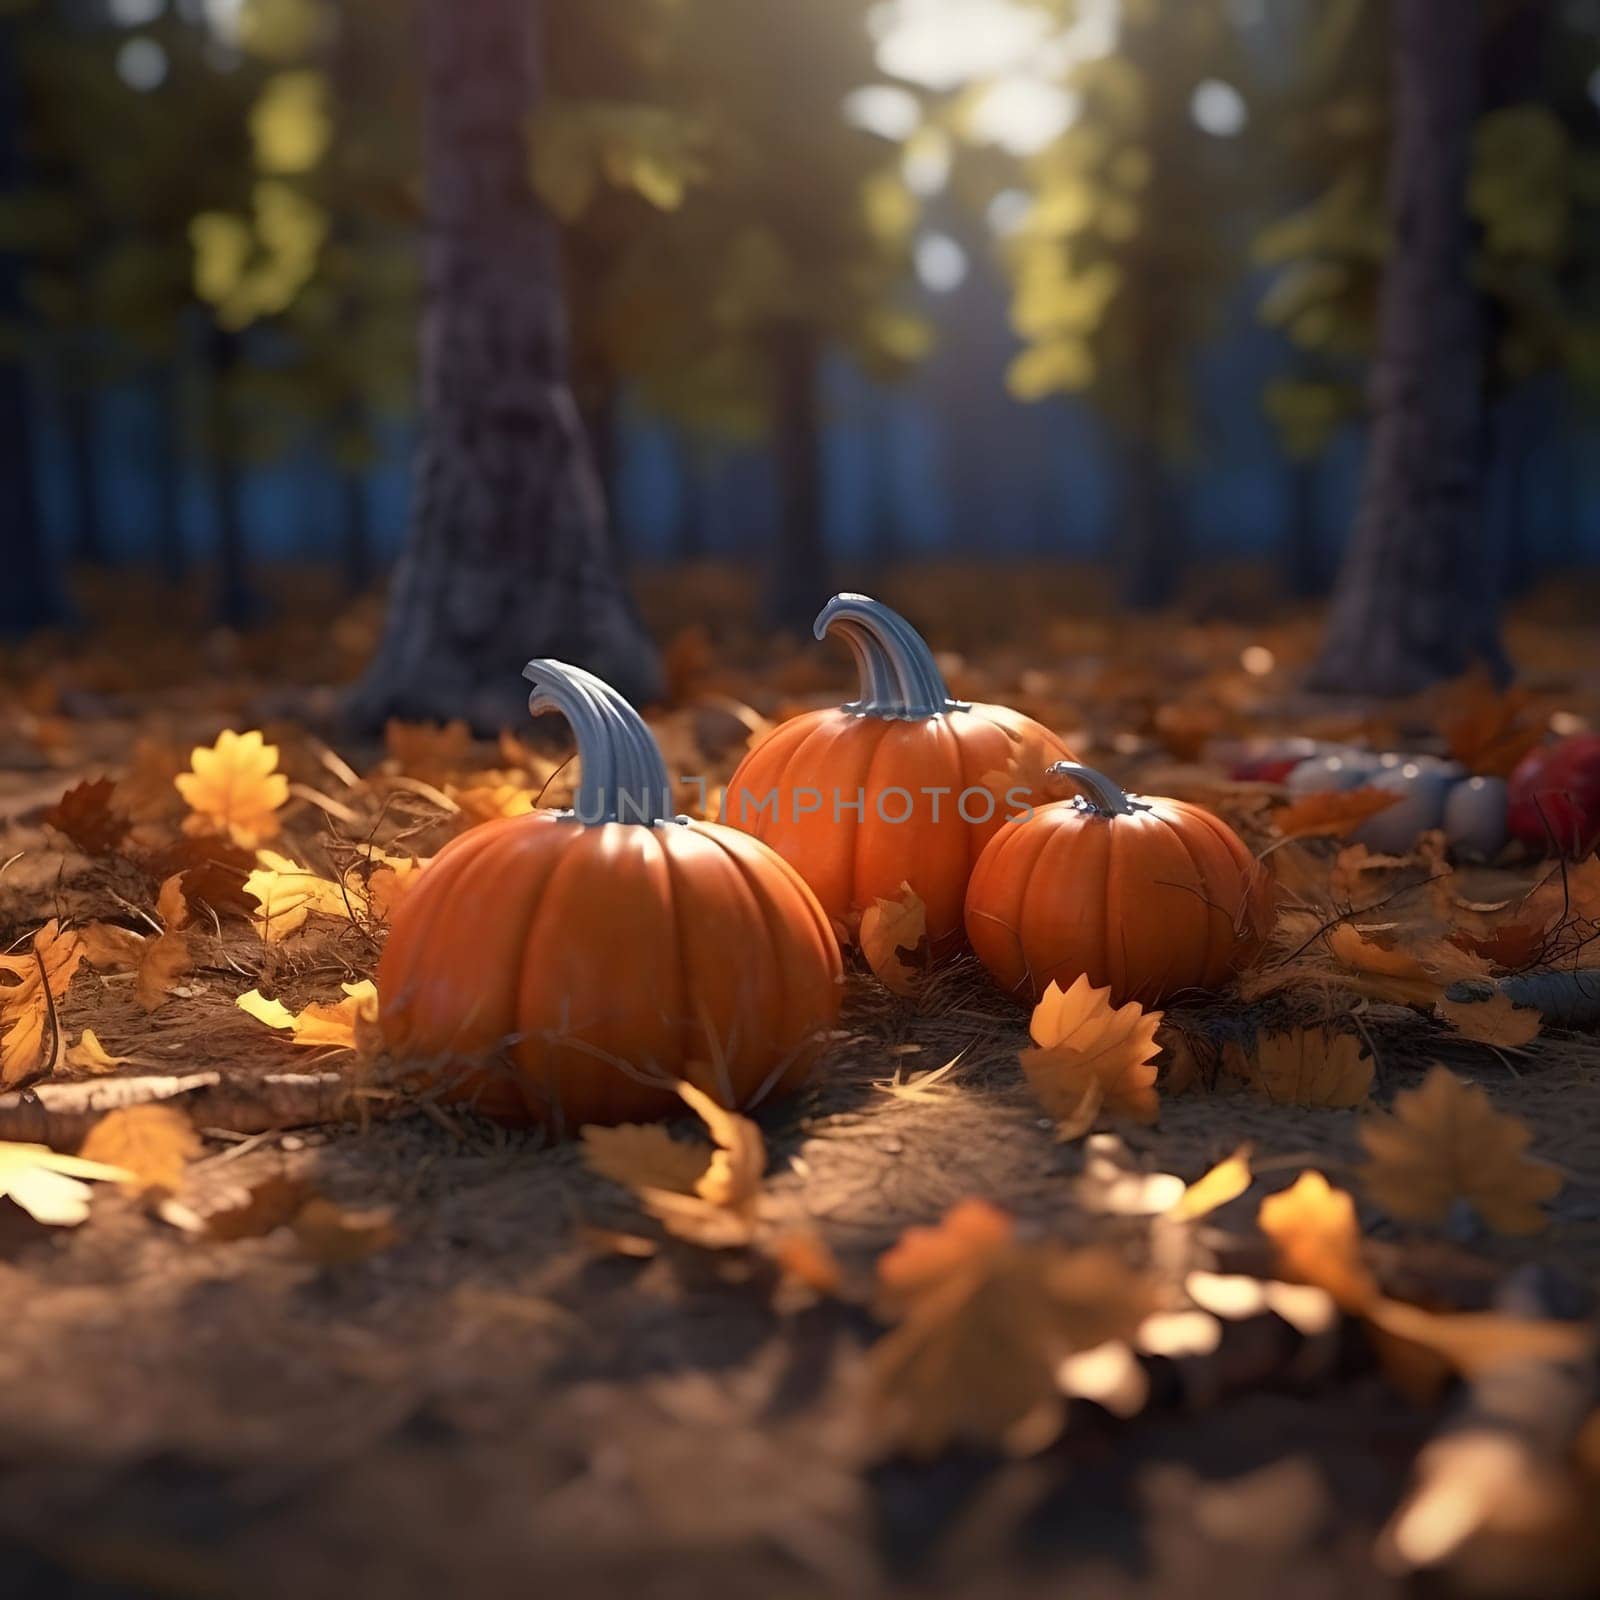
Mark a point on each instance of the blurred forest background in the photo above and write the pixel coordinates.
(850, 285)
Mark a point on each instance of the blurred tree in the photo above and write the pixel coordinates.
(1118, 262)
(726, 227)
(508, 554)
(1416, 600)
(29, 597)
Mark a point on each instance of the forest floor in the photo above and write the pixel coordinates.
(394, 1348)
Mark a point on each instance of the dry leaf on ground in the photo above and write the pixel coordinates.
(1224, 1182)
(707, 1199)
(1445, 1143)
(90, 1056)
(1489, 731)
(348, 1024)
(1317, 1239)
(42, 975)
(287, 893)
(234, 788)
(152, 1143)
(894, 935)
(428, 751)
(1332, 814)
(164, 959)
(1494, 1021)
(49, 1186)
(1305, 1067)
(984, 1323)
(1092, 1058)
(87, 814)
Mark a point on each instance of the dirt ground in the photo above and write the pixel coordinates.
(500, 1403)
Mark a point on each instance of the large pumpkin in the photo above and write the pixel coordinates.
(567, 967)
(1149, 897)
(889, 789)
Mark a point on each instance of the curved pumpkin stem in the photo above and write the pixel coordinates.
(1099, 793)
(624, 778)
(899, 677)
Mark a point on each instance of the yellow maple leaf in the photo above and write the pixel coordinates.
(89, 1055)
(42, 976)
(707, 1198)
(347, 1024)
(489, 801)
(1224, 1182)
(984, 1322)
(50, 1187)
(288, 893)
(1092, 1057)
(234, 787)
(1445, 1142)
(1495, 1021)
(1317, 1239)
(1307, 1067)
(893, 938)
(151, 1143)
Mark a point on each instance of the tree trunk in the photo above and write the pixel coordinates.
(1304, 571)
(800, 585)
(1149, 554)
(167, 462)
(1416, 598)
(29, 596)
(83, 461)
(355, 532)
(236, 602)
(508, 555)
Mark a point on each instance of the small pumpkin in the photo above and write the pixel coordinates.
(889, 789)
(566, 967)
(1149, 897)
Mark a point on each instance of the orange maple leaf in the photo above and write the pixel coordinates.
(1092, 1057)
(893, 937)
(1445, 1142)
(1317, 1239)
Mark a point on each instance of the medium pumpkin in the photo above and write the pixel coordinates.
(889, 789)
(1150, 897)
(566, 967)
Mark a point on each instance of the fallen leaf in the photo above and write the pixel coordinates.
(145, 792)
(1224, 1182)
(426, 750)
(1331, 814)
(1415, 973)
(1570, 893)
(271, 1204)
(706, 1198)
(1446, 1142)
(1306, 1067)
(488, 802)
(1494, 1021)
(1476, 1342)
(348, 1024)
(166, 958)
(288, 894)
(151, 1143)
(88, 816)
(333, 1236)
(894, 937)
(89, 1055)
(1092, 1057)
(48, 1185)
(985, 1322)
(1317, 1240)
(42, 976)
(234, 787)
(806, 1261)
(1488, 731)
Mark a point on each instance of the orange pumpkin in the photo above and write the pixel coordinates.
(1151, 897)
(567, 967)
(889, 789)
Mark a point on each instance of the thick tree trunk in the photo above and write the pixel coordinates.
(355, 532)
(800, 584)
(1305, 574)
(508, 556)
(1416, 599)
